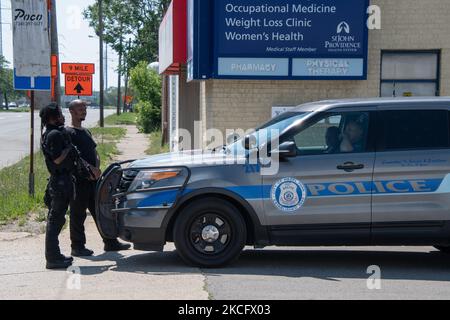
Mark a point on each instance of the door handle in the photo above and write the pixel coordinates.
(350, 166)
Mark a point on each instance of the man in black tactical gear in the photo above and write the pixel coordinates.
(60, 160)
(85, 187)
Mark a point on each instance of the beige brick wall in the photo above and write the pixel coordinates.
(406, 25)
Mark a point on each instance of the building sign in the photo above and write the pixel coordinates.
(312, 67)
(172, 38)
(282, 39)
(199, 39)
(31, 42)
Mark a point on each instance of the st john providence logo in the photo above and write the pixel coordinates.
(288, 194)
(343, 27)
(343, 41)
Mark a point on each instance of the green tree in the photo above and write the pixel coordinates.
(6, 83)
(137, 20)
(146, 85)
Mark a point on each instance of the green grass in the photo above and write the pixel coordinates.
(107, 139)
(108, 133)
(14, 200)
(16, 110)
(123, 119)
(156, 144)
(15, 204)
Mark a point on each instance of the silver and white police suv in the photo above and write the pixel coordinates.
(351, 172)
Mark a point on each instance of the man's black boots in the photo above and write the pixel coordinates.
(59, 264)
(115, 246)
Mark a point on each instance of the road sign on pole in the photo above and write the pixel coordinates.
(78, 68)
(32, 70)
(78, 85)
(78, 78)
(32, 50)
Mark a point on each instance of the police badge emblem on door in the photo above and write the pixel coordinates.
(288, 195)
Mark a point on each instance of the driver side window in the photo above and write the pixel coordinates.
(334, 134)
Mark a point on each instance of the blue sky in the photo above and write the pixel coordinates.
(75, 45)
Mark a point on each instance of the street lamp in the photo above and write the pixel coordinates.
(106, 62)
(154, 66)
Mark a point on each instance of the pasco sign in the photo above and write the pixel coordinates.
(31, 45)
(282, 39)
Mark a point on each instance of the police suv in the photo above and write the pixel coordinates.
(350, 173)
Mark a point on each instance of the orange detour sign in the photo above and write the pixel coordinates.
(78, 78)
(128, 99)
(78, 85)
(78, 68)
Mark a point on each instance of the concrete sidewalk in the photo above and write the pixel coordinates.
(133, 146)
(127, 275)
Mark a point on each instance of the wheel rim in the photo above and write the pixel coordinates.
(210, 234)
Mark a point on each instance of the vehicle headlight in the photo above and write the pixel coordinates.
(148, 179)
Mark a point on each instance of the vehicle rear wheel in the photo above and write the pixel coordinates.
(210, 233)
(443, 249)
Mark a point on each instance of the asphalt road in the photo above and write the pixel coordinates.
(15, 134)
(272, 273)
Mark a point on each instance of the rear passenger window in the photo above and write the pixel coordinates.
(414, 130)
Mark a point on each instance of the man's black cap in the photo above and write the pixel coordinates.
(50, 111)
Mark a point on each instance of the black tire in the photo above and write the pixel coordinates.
(230, 230)
(443, 249)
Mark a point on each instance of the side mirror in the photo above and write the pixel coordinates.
(286, 150)
(249, 142)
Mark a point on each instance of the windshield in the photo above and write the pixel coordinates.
(269, 131)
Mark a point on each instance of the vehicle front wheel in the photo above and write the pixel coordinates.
(443, 249)
(210, 233)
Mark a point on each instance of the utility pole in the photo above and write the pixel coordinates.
(127, 69)
(1, 54)
(1, 30)
(102, 87)
(106, 67)
(55, 49)
(119, 89)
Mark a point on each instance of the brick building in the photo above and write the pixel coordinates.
(408, 56)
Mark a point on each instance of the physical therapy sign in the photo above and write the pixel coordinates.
(31, 42)
(282, 39)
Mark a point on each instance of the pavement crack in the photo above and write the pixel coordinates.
(205, 285)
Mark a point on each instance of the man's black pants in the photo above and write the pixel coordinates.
(84, 199)
(60, 190)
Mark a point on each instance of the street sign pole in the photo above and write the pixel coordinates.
(100, 18)
(31, 190)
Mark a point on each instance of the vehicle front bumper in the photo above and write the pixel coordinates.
(139, 216)
(144, 228)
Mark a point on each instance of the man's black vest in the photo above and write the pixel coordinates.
(54, 141)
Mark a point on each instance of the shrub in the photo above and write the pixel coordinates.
(146, 84)
(149, 117)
